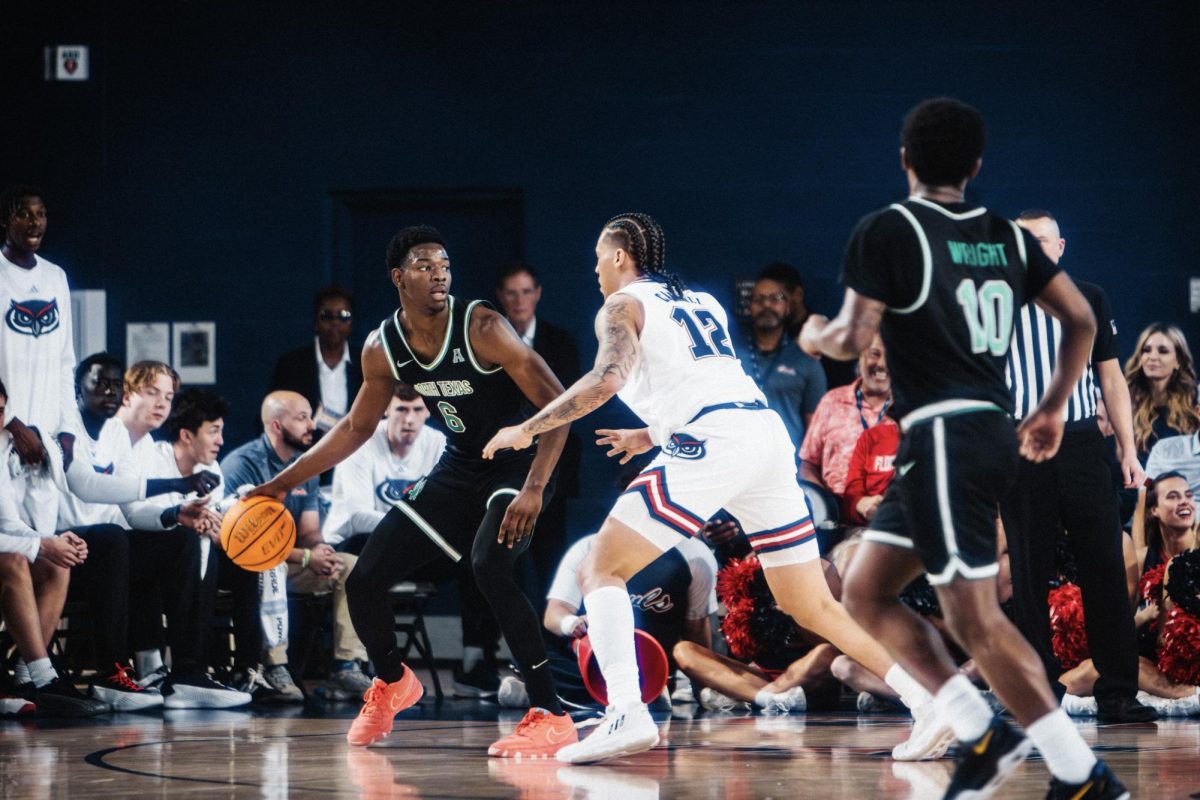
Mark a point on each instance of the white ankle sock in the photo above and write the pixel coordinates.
(21, 672)
(911, 693)
(41, 672)
(610, 629)
(1067, 755)
(147, 661)
(960, 704)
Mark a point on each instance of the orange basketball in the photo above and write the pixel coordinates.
(258, 533)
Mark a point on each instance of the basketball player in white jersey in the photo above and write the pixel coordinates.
(666, 352)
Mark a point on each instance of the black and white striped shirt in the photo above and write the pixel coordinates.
(1034, 352)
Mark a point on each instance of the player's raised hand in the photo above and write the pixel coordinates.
(520, 517)
(625, 442)
(1040, 434)
(511, 437)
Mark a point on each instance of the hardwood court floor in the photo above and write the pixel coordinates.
(441, 753)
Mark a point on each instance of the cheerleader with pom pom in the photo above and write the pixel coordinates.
(1168, 619)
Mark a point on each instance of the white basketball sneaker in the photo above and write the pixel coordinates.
(622, 732)
(931, 737)
(1077, 706)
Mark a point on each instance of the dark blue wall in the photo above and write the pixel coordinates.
(191, 176)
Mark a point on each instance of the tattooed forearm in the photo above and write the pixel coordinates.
(616, 328)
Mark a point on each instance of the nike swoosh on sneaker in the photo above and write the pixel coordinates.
(554, 735)
(1082, 792)
(980, 748)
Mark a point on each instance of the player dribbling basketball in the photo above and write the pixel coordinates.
(477, 374)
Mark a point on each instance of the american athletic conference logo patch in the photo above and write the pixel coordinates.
(682, 445)
(392, 490)
(32, 317)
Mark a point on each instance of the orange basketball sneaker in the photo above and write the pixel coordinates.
(383, 701)
(539, 734)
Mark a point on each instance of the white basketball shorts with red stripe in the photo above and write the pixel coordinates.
(733, 458)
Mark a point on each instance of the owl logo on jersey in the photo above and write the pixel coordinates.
(682, 445)
(392, 490)
(32, 317)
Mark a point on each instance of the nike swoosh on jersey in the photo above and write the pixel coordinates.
(400, 364)
(904, 468)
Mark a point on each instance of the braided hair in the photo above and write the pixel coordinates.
(642, 237)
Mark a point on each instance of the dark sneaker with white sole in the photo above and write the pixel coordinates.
(200, 691)
(481, 682)
(60, 698)
(987, 762)
(1100, 785)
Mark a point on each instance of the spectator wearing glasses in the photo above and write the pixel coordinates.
(792, 381)
(324, 371)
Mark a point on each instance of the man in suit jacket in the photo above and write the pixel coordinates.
(324, 371)
(519, 291)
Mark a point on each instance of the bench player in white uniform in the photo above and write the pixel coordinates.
(369, 483)
(666, 352)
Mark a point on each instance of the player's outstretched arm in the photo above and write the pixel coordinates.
(350, 432)
(494, 340)
(618, 326)
(847, 334)
(1041, 432)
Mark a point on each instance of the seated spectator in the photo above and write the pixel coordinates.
(88, 492)
(367, 484)
(1179, 454)
(776, 660)
(673, 600)
(370, 482)
(791, 380)
(837, 373)
(872, 467)
(169, 574)
(324, 371)
(843, 414)
(1162, 387)
(1164, 530)
(35, 568)
(313, 566)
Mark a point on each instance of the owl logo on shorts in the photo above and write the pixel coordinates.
(32, 317)
(682, 445)
(392, 490)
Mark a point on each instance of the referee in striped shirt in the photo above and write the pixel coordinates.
(1074, 491)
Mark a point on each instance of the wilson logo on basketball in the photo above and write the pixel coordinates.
(258, 533)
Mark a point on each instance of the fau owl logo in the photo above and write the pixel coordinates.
(32, 317)
(684, 446)
(392, 490)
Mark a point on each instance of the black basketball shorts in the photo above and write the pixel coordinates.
(951, 472)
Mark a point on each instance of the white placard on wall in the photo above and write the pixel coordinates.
(195, 349)
(67, 62)
(147, 341)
